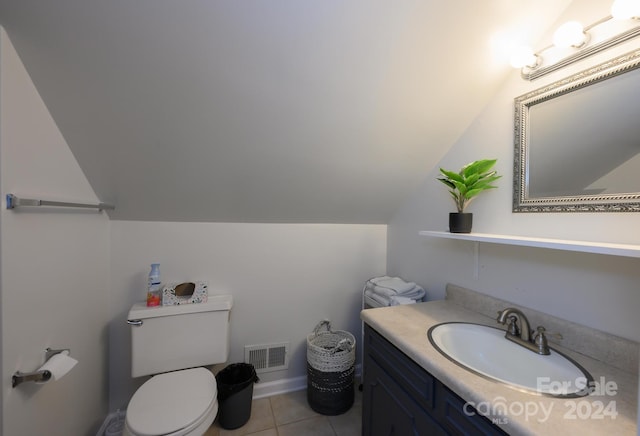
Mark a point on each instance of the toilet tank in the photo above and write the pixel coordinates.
(169, 338)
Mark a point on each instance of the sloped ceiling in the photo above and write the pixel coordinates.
(325, 111)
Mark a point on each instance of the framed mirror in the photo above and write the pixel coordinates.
(577, 142)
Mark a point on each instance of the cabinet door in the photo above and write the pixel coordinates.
(388, 410)
(414, 380)
(455, 417)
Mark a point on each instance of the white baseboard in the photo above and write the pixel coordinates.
(276, 387)
(282, 386)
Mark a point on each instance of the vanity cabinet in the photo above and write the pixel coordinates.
(401, 398)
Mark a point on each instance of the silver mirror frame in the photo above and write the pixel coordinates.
(627, 202)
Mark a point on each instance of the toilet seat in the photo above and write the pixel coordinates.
(174, 403)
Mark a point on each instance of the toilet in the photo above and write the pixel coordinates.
(172, 344)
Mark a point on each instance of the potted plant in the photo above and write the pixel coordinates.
(464, 186)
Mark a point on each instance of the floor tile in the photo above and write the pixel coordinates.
(269, 432)
(350, 422)
(261, 419)
(318, 426)
(290, 415)
(291, 407)
(357, 398)
(212, 431)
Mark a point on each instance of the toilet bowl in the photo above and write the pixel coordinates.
(177, 403)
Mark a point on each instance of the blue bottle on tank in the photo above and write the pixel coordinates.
(154, 288)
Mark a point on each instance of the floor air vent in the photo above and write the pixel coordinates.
(269, 357)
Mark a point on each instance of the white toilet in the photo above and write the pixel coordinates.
(172, 343)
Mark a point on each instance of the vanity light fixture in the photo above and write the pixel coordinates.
(573, 42)
(524, 57)
(570, 34)
(625, 9)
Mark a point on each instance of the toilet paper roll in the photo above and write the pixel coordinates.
(58, 365)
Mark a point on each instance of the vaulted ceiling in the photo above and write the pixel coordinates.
(325, 111)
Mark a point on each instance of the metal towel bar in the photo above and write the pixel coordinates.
(13, 202)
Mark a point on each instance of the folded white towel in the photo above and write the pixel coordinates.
(394, 300)
(393, 284)
(415, 292)
(397, 301)
(370, 302)
(385, 301)
(379, 290)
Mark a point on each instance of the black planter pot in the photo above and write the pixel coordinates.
(460, 222)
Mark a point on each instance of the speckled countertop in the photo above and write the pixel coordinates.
(406, 327)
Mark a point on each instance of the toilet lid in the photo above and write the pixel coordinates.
(171, 401)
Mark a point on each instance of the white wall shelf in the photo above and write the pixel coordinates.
(625, 250)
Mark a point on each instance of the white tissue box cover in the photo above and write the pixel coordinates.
(169, 297)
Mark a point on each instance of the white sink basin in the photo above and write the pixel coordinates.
(485, 351)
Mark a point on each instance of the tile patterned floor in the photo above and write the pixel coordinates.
(290, 415)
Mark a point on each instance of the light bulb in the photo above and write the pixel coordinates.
(625, 9)
(570, 34)
(523, 57)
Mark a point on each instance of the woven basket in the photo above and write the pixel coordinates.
(331, 356)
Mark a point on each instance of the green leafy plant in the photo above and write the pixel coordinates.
(471, 180)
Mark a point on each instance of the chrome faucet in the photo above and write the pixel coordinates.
(523, 335)
(525, 330)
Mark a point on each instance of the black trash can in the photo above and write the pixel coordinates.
(235, 392)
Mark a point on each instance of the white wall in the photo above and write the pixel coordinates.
(54, 284)
(284, 279)
(598, 291)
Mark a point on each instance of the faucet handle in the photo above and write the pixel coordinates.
(513, 328)
(541, 341)
(541, 330)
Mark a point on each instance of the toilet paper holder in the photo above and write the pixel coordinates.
(36, 376)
